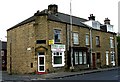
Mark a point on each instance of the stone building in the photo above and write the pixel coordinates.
(44, 42)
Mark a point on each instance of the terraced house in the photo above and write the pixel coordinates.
(46, 43)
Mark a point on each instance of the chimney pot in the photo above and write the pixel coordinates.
(52, 9)
(91, 17)
(107, 21)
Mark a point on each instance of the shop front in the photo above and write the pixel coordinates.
(58, 55)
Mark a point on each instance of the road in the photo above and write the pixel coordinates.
(106, 75)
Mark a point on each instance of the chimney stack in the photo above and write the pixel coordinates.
(52, 9)
(107, 21)
(91, 17)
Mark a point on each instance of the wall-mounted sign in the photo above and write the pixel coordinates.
(58, 47)
(28, 49)
(51, 42)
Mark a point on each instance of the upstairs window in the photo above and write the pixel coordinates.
(96, 25)
(97, 41)
(57, 36)
(87, 39)
(111, 42)
(75, 38)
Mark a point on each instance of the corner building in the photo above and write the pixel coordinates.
(43, 43)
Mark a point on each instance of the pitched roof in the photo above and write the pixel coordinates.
(61, 17)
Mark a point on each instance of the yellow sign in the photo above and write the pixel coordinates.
(51, 42)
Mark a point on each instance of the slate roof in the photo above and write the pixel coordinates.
(60, 17)
(65, 18)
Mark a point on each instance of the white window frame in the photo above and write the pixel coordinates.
(87, 39)
(113, 58)
(80, 58)
(75, 38)
(111, 42)
(97, 40)
(107, 57)
(84, 56)
(76, 57)
(58, 65)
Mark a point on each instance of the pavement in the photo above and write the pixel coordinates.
(49, 76)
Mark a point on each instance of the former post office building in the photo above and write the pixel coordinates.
(49, 41)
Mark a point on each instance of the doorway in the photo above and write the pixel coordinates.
(93, 60)
(41, 62)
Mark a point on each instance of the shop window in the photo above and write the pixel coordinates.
(57, 36)
(57, 59)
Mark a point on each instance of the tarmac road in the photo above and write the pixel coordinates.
(105, 75)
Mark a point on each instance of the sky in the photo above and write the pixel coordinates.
(13, 12)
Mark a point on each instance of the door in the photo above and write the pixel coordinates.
(41, 63)
(107, 60)
(93, 60)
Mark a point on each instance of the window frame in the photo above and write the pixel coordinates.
(97, 41)
(53, 60)
(85, 57)
(87, 41)
(76, 57)
(58, 34)
(75, 38)
(81, 58)
(111, 42)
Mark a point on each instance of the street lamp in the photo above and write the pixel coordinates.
(72, 67)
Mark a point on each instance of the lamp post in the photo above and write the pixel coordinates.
(71, 44)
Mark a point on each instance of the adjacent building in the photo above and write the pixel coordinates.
(49, 42)
(3, 55)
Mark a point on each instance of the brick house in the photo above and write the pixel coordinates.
(42, 43)
(3, 54)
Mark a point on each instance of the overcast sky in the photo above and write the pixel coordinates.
(14, 11)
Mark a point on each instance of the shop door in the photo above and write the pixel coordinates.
(93, 60)
(41, 63)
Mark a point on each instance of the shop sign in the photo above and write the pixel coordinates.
(58, 47)
(51, 42)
